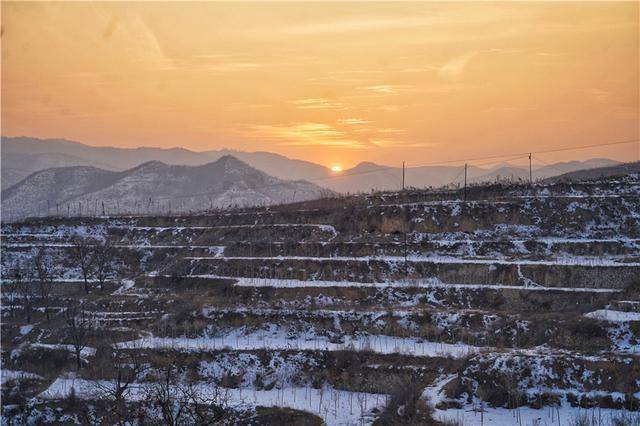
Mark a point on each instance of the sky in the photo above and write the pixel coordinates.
(333, 83)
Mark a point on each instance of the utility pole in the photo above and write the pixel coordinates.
(403, 175)
(465, 181)
(406, 271)
(530, 174)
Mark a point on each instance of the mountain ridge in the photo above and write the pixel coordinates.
(24, 155)
(151, 187)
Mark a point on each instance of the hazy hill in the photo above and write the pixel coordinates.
(367, 176)
(22, 156)
(600, 172)
(510, 172)
(152, 187)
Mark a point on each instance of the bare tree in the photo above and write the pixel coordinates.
(79, 330)
(205, 408)
(24, 290)
(82, 256)
(184, 403)
(129, 366)
(165, 396)
(44, 279)
(103, 256)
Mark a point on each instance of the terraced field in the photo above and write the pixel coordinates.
(517, 305)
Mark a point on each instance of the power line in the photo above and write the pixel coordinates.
(573, 148)
(492, 157)
(388, 168)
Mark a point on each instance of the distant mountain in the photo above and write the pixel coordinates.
(618, 170)
(22, 156)
(152, 187)
(367, 176)
(515, 173)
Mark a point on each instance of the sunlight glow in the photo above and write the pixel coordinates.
(336, 168)
(132, 74)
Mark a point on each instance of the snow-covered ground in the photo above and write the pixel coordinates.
(562, 261)
(613, 316)
(335, 407)
(420, 283)
(278, 339)
(9, 375)
(479, 414)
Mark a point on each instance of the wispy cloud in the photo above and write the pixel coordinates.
(455, 67)
(354, 121)
(318, 103)
(383, 89)
(360, 24)
(394, 143)
(391, 131)
(549, 54)
(306, 135)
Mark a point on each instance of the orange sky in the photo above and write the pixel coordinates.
(332, 83)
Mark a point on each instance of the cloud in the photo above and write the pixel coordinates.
(382, 89)
(394, 143)
(306, 134)
(391, 131)
(549, 54)
(455, 67)
(360, 24)
(318, 103)
(354, 121)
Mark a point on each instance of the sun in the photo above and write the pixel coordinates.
(336, 168)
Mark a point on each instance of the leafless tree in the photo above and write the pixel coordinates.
(166, 396)
(79, 329)
(44, 279)
(209, 408)
(81, 253)
(23, 289)
(184, 403)
(103, 256)
(129, 367)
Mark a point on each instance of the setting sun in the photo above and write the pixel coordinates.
(336, 168)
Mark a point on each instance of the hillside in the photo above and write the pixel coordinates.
(514, 173)
(151, 187)
(598, 172)
(397, 308)
(22, 156)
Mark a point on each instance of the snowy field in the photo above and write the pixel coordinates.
(335, 407)
(277, 339)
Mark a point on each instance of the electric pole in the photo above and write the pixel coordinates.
(530, 174)
(465, 181)
(403, 175)
(406, 270)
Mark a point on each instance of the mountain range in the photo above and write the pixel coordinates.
(22, 156)
(152, 187)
